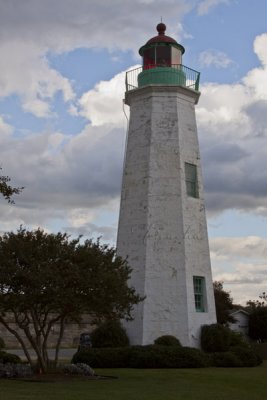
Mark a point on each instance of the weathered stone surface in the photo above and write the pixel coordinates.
(162, 231)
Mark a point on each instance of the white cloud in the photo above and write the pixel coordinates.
(214, 58)
(240, 262)
(260, 48)
(5, 129)
(232, 130)
(247, 247)
(206, 5)
(33, 29)
(24, 71)
(104, 103)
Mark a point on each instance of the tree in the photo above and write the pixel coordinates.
(6, 190)
(47, 279)
(223, 303)
(257, 323)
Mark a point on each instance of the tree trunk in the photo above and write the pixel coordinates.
(19, 339)
(61, 333)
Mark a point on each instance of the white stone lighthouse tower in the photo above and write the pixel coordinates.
(162, 225)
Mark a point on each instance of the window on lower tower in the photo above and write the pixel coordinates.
(191, 180)
(199, 293)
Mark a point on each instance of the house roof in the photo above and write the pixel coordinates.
(239, 311)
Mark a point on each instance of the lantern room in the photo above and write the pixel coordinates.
(161, 50)
(162, 61)
(162, 64)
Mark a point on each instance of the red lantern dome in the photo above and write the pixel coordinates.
(161, 50)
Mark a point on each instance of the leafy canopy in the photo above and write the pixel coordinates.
(46, 278)
(223, 303)
(257, 324)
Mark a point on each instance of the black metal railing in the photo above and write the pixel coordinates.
(190, 77)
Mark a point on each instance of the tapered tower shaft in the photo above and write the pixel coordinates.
(162, 225)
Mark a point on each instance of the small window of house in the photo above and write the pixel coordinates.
(191, 180)
(199, 293)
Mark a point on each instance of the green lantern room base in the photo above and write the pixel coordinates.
(163, 76)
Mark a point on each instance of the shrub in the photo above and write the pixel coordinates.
(110, 334)
(9, 358)
(2, 344)
(247, 356)
(225, 359)
(166, 357)
(152, 356)
(237, 339)
(102, 357)
(167, 340)
(215, 338)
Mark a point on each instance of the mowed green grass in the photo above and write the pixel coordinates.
(161, 384)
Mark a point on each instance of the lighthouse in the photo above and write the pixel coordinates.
(162, 223)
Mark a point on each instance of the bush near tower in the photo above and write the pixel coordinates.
(221, 348)
(227, 348)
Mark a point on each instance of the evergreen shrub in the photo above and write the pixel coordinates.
(102, 357)
(167, 340)
(237, 339)
(247, 356)
(151, 356)
(109, 334)
(225, 359)
(215, 338)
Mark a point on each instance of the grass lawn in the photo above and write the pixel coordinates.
(161, 384)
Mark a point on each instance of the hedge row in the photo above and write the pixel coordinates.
(154, 356)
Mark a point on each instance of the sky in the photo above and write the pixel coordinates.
(63, 126)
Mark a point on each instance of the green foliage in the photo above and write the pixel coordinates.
(103, 357)
(6, 190)
(53, 278)
(223, 303)
(237, 339)
(9, 358)
(167, 357)
(167, 340)
(225, 359)
(247, 356)
(2, 344)
(109, 334)
(257, 324)
(227, 348)
(215, 338)
(237, 356)
(152, 356)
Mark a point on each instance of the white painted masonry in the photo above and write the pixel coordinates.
(162, 230)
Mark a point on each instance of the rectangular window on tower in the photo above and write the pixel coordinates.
(199, 293)
(191, 180)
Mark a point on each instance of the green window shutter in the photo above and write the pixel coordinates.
(191, 180)
(199, 293)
